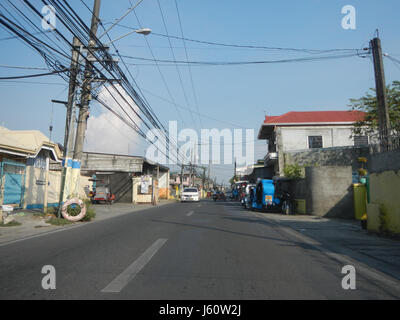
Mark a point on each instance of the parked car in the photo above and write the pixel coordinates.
(190, 194)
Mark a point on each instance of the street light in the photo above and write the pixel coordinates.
(143, 31)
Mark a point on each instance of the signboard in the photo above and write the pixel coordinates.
(144, 184)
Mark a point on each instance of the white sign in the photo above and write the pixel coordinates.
(144, 184)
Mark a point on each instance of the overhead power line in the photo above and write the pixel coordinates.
(33, 75)
(22, 67)
(214, 43)
(257, 62)
(188, 65)
(176, 65)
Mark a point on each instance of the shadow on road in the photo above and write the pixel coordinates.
(285, 242)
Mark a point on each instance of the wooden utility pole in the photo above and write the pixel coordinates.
(86, 86)
(383, 113)
(69, 124)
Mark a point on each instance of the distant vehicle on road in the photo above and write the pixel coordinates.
(248, 197)
(219, 196)
(102, 194)
(273, 195)
(190, 194)
(263, 196)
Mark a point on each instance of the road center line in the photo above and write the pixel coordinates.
(189, 213)
(129, 273)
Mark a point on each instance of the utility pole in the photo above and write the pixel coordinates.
(69, 124)
(181, 180)
(383, 113)
(209, 169)
(234, 173)
(191, 169)
(86, 87)
(68, 138)
(203, 181)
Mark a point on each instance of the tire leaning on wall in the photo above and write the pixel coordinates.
(68, 217)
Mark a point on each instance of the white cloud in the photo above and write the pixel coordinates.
(109, 134)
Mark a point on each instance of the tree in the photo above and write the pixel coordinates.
(233, 180)
(368, 104)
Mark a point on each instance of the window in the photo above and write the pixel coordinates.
(315, 142)
(361, 140)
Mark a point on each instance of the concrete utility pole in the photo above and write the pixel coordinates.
(203, 180)
(181, 179)
(209, 169)
(68, 138)
(86, 88)
(383, 113)
(191, 168)
(69, 124)
(234, 173)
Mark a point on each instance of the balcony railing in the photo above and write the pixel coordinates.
(270, 156)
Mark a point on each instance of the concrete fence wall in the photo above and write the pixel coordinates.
(383, 209)
(329, 191)
(338, 156)
(34, 194)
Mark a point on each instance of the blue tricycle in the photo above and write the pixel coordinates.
(273, 195)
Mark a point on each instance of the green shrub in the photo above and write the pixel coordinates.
(10, 224)
(293, 171)
(90, 213)
(74, 210)
(52, 210)
(58, 221)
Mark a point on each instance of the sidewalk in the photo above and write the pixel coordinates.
(345, 237)
(32, 225)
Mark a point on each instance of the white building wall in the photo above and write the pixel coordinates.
(296, 138)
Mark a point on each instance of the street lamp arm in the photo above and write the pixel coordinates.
(120, 19)
(144, 31)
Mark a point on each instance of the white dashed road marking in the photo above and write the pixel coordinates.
(129, 273)
(189, 213)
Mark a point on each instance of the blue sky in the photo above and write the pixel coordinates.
(240, 95)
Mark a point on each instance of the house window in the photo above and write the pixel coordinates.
(315, 142)
(361, 140)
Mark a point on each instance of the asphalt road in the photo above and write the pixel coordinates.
(180, 251)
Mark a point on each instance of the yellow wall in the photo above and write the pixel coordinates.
(383, 211)
(137, 197)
